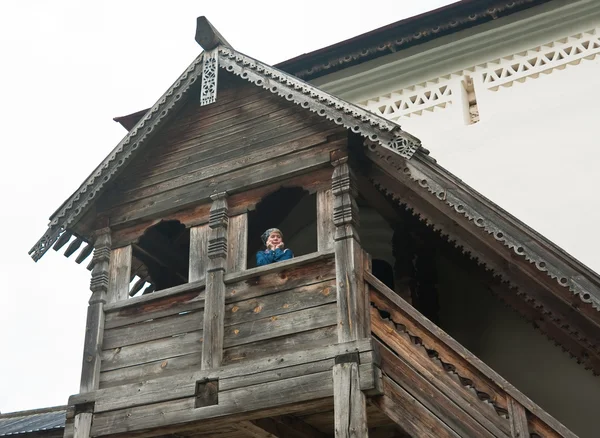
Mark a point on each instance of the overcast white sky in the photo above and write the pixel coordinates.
(68, 68)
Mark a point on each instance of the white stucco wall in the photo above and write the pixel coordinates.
(536, 147)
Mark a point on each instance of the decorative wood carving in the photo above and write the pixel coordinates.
(101, 262)
(210, 73)
(372, 126)
(353, 321)
(501, 225)
(214, 307)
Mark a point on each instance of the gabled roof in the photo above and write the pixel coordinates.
(19, 423)
(369, 125)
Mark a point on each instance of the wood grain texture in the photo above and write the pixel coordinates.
(82, 425)
(409, 413)
(349, 402)
(210, 149)
(92, 345)
(518, 419)
(198, 253)
(238, 243)
(214, 308)
(119, 274)
(325, 226)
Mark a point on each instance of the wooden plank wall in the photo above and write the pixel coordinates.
(280, 312)
(160, 337)
(248, 137)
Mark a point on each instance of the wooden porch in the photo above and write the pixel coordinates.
(276, 380)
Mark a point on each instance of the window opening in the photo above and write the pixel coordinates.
(293, 211)
(161, 258)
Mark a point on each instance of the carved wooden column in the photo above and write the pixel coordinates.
(94, 330)
(214, 307)
(353, 320)
(353, 323)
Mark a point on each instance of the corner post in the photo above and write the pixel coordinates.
(214, 307)
(353, 320)
(350, 412)
(94, 330)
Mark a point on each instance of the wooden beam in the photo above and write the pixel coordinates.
(94, 331)
(214, 308)
(207, 36)
(119, 274)
(251, 429)
(73, 246)
(350, 412)
(353, 317)
(84, 254)
(518, 419)
(325, 226)
(198, 253)
(82, 425)
(409, 413)
(62, 240)
(238, 243)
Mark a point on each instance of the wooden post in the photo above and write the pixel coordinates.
(214, 306)
(198, 253)
(238, 243)
(119, 274)
(94, 329)
(348, 400)
(518, 419)
(325, 226)
(353, 322)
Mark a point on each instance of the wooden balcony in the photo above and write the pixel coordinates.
(280, 347)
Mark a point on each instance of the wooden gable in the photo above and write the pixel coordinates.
(247, 138)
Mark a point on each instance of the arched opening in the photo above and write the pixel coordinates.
(164, 251)
(292, 210)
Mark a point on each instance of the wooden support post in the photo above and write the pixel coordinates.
(238, 243)
(214, 306)
(82, 425)
(348, 400)
(325, 226)
(94, 330)
(518, 419)
(353, 316)
(198, 253)
(119, 274)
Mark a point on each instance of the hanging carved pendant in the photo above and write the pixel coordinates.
(210, 72)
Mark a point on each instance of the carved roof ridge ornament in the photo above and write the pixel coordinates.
(375, 128)
(505, 228)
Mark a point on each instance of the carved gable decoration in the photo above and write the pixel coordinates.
(372, 127)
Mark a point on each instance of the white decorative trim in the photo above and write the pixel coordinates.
(542, 59)
(210, 72)
(411, 101)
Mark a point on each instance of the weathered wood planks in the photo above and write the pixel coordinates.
(349, 401)
(260, 384)
(325, 226)
(238, 243)
(453, 370)
(198, 253)
(249, 138)
(119, 274)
